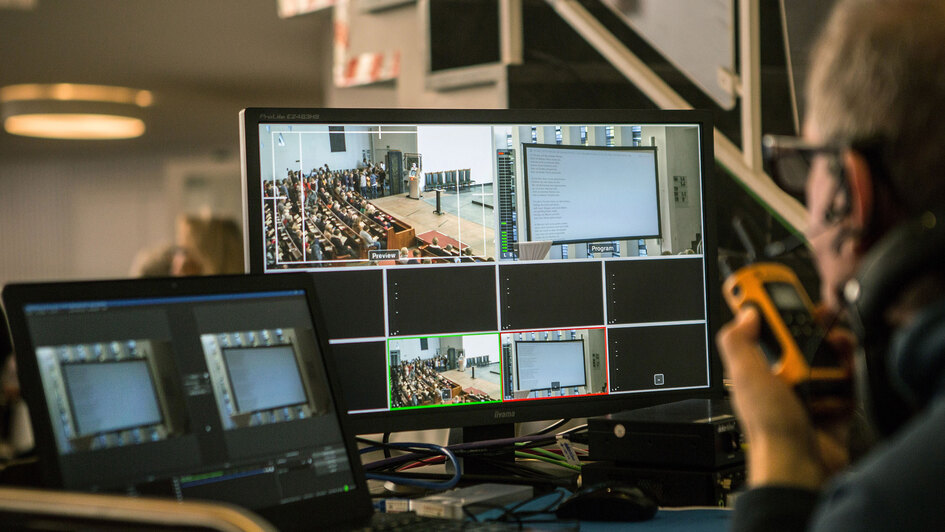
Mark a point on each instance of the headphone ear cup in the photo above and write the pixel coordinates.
(906, 251)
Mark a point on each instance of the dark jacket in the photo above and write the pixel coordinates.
(900, 484)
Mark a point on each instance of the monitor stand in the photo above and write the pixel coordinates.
(477, 433)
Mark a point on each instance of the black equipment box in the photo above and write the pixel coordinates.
(695, 433)
(671, 487)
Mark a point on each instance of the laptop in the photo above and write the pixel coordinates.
(214, 388)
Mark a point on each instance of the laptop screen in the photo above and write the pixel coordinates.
(221, 396)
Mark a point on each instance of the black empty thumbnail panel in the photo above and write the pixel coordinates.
(352, 303)
(652, 358)
(542, 296)
(362, 374)
(441, 300)
(655, 290)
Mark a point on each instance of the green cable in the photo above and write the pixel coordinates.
(547, 453)
(542, 450)
(561, 463)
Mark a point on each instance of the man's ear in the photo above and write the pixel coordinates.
(860, 189)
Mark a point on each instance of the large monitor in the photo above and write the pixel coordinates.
(494, 265)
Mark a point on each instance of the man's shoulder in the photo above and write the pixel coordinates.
(918, 444)
(897, 485)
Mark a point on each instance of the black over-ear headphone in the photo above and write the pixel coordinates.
(835, 213)
(908, 250)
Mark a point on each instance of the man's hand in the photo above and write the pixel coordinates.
(784, 447)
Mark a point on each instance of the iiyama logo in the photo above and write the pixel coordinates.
(504, 414)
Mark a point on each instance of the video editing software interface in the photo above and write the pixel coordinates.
(483, 264)
(204, 396)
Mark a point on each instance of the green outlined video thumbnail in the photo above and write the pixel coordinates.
(431, 371)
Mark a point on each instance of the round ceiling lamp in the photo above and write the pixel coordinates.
(73, 111)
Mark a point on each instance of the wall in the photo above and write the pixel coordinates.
(410, 348)
(315, 151)
(454, 148)
(482, 345)
(76, 219)
(656, 136)
(384, 142)
(682, 145)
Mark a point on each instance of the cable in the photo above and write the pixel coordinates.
(386, 440)
(421, 463)
(465, 449)
(513, 513)
(572, 430)
(553, 426)
(546, 452)
(536, 478)
(413, 447)
(562, 463)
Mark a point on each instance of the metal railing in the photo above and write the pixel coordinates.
(744, 163)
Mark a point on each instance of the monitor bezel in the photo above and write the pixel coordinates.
(517, 410)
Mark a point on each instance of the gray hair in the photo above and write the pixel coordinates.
(878, 72)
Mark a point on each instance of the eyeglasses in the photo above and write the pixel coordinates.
(789, 160)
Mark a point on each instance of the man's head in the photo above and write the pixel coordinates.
(876, 87)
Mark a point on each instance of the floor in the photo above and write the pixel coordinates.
(479, 235)
(485, 381)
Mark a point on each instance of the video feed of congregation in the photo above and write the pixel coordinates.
(480, 368)
(387, 195)
(444, 370)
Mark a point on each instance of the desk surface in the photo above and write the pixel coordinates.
(691, 520)
(666, 519)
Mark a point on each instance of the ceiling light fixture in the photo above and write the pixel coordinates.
(73, 111)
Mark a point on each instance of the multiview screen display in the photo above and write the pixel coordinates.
(464, 264)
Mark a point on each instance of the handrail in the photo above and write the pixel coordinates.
(784, 207)
(72, 509)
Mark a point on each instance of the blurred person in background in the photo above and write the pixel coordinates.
(215, 243)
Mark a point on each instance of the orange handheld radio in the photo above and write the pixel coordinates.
(791, 338)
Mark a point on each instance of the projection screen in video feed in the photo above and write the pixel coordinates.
(111, 396)
(264, 378)
(541, 364)
(591, 194)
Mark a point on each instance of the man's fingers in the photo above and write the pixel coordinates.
(739, 338)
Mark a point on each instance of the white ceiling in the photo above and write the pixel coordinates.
(203, 59)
